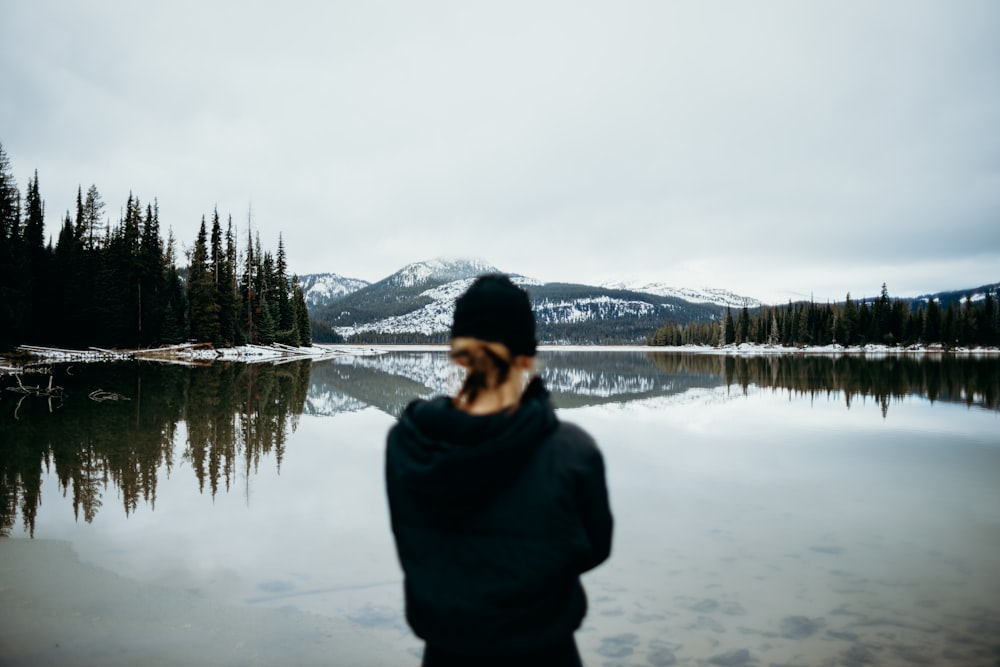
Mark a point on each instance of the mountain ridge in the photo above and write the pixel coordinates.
(415, 304)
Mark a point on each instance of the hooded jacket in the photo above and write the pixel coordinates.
(495, 517)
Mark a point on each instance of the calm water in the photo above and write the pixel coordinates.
(778, 510)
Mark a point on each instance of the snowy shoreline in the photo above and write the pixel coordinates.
(201, 354)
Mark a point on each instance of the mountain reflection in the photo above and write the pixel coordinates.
(222, 419)
(582, 378)
(232, 414)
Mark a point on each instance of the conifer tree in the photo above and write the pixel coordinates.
(988, 324)
(203, 309)
(229, 309)
(742, 334)
(774, 332)
(266, 329)
(302, 324)
(175, 328)
(32, 263)
(93, 211)
(11, 295)
(728, 328)
(152, 279)
(286, 321)
(248, 293)
(932, 322)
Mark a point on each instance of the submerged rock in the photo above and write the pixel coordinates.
(799, 627)
(661, 656)
(732, 658)
(705, 606)
(857, 656)
(618, 646)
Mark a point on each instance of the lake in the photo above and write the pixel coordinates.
(787, 510)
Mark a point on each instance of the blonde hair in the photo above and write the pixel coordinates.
(487, 365)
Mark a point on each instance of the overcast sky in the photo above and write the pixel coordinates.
(777, 149)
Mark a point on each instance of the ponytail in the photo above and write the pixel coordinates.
(487, 365)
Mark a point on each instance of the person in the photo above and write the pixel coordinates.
(496, 505)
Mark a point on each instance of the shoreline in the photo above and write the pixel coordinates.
(26, 356)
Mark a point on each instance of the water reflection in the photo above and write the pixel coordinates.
(234, 414)
(222, 419)
(969, 380)
(578, 378)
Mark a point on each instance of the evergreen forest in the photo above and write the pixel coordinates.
(882, 321)
(119, 286)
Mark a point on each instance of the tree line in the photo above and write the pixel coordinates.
(884, 320)
(119, 285)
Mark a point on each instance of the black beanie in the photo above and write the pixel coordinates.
(496, 310)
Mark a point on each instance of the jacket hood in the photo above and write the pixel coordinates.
(437, 451)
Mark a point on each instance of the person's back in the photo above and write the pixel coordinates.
(497, 507)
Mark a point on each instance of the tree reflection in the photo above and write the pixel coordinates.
(581, 378)
(950, 378)
(233, 414)
(227, 417)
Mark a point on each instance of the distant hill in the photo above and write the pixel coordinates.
(944, 299)
(956, 297)
(322, 289)
(415, 304)
(719, 297)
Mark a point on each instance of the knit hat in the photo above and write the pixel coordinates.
(495, 309)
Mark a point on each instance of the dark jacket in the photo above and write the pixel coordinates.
(495, 518)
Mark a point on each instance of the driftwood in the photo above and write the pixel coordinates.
(49, 392)
(100, 396)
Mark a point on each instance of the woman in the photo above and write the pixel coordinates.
(497, 507)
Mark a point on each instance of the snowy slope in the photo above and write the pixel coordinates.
(433, 317)
(438, 270)
(719, 297)
(324, 288)
(418, 300)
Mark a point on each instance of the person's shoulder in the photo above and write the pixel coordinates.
(569, 436)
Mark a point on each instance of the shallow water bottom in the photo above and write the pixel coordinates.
(59, 611)
(729, 611)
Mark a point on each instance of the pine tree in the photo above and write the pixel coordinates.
(302, 326)
(988, 322)
(229, 308)
(287, 326)
(152, 279)
(742, 326)
(175, 327)
(93, 211)
(32, 263)
(64, 267)
(932, 322)
(203, 309)
(266, 329)
(249, 294)
(728, 336)
(11, 295)
(774, 331)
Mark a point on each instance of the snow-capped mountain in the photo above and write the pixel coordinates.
(321, 289)
(438, 271)
(415, 304)
(719, 297)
